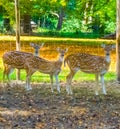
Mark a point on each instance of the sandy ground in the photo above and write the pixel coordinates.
(41, 109)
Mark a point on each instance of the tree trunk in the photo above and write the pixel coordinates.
(17, 16)
(60, 19)
(118, 41)
(26, 23)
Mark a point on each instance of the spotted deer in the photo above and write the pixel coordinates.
(9, 69)
(87, 63)
(36, 48)
(52, 68)
(12, 60)
(31, 64)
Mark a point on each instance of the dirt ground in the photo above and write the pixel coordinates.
(41, 109)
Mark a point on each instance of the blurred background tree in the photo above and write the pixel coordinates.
(55, 17)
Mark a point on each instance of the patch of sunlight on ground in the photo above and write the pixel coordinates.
(12, 112)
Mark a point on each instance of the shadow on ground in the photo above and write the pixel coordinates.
(41, 109)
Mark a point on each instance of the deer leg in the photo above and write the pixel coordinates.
(7, 71)
(97, 84)
(51, 80)
(28, 86)
(103, 84)
(27, 83)
(4, 72)
(28, 78)
(69, 80)
(57, 83)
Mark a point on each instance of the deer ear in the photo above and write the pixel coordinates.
(103, 45)
(32, 44)
(58, 49)
(113, 46)
(42, 45)
(66, 49)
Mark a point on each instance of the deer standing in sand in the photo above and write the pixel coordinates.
(87, 63)
(31, 64)
(8, 69)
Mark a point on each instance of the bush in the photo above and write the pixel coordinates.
(110, 27)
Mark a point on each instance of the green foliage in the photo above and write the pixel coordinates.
(66, 32)
(78, 15)
(110, 27)
(68, 25)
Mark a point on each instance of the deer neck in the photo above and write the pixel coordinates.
(107, 57)
(36, 53)
(60, 59)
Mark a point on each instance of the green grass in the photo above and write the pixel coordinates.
(79, 76)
